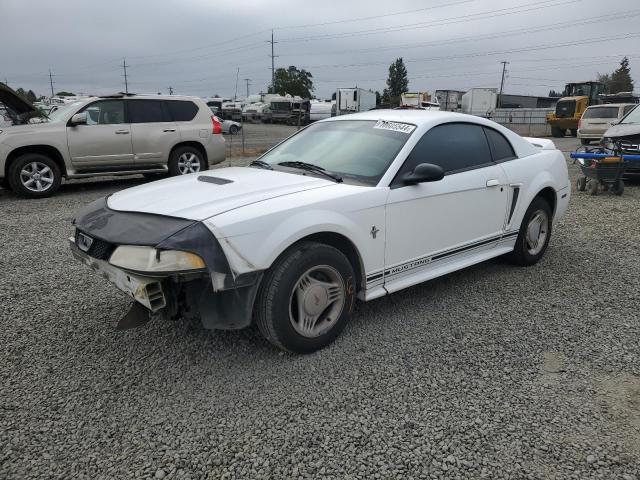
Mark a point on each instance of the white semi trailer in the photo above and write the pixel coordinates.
(352, 100)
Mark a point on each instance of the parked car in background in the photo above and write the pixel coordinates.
(353, 207)
(228, 126)
(624, 137)
(112, 135)
(597, 119)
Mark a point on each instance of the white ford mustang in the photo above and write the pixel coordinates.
(357, 206)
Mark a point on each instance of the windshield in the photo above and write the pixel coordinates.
(356, 150)
(62, 111)
(632, 117)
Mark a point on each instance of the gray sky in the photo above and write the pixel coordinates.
(196, 46)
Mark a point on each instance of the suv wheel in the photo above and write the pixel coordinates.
(306, 298)
(34, 175)
(186, 160)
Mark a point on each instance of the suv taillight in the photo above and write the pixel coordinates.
(217, 126)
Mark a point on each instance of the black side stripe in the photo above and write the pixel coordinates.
(422, 261)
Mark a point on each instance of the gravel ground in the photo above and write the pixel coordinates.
(493, 372)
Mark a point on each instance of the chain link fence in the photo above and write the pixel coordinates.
(524, 121)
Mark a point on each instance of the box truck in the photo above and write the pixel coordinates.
(480, 101)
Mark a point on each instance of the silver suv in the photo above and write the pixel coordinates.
(113, 135)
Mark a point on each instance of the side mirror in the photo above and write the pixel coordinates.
(79, 119)
(424, 172)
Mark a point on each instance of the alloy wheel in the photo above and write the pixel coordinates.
(36, 177)
(188, 162)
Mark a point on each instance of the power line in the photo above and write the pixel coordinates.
(446, 21)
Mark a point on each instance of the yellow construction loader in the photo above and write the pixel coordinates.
(576, 98)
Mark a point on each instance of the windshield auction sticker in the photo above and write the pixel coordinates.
(394, 126)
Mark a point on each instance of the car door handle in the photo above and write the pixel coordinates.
(169, 130)
(494, 182)
(122, 132)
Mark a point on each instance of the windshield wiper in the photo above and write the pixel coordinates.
(261, 164)
(310, 167)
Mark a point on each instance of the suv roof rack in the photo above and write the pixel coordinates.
(117, 95)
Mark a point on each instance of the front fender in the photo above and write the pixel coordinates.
(258, 250)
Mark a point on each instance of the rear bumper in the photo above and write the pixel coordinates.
(590, 136)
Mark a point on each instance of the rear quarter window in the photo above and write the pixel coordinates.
(601, 112)
(182, 110)
(501, 149)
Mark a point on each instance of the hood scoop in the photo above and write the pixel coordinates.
(214, 180)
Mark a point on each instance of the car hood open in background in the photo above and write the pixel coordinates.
(202, 195)
(18, 106)
(623, 130)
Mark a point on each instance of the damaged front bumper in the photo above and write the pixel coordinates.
(215, 296)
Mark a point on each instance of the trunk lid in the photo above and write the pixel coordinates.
(202, 195)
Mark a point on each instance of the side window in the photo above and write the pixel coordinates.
(182, 110)
(105, 112)
(147, 111)
(500, 146)
(453, 146)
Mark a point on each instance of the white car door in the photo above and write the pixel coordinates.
(457, 217)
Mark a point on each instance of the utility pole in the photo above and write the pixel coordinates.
(273, 56)
(235, 94)
(247, 80)
(51, 81)
(504, 68)
(170, 90)
(126, 83)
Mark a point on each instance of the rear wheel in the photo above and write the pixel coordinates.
(574, 132)
(618, 188)
(581, 184)
(306, 298)
(34, 175)
(186, 160)
(233, 129)
(557, 132)
(593, 187)
(534, 235)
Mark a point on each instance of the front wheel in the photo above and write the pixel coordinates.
(534, 235)
(557, 132)
(618, 187)
(306, 298)
(186, 160)
(34, 175)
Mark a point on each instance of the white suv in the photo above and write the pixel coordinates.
(113, 135)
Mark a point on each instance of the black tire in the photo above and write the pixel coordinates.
(581, 184)
(585, 141)
(574, 132)
(557, 132)
(618, 188)
(4, 183)
(233, 129)
(521, 254)
(593, 187)
(22, 163)
(174, 160)
(274, 302)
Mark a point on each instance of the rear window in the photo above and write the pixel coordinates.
(147, 111)
(182, 110)
(601, 112)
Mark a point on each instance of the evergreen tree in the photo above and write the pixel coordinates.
(397, 81)
(621, 79)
